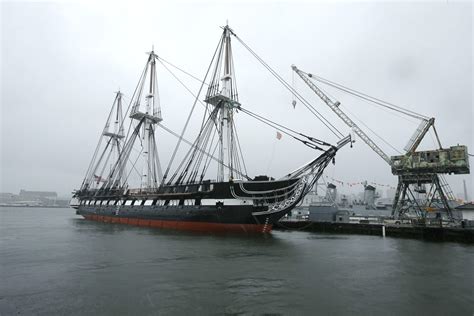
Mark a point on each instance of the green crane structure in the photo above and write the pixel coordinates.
(416, 170)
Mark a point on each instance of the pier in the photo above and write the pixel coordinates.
(455, 234)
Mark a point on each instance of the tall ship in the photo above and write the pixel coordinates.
(185, 195)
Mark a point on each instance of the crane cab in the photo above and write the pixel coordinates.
(449, 160)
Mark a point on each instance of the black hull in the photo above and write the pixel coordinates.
(225, 219)
(210, 214)
(226, 205)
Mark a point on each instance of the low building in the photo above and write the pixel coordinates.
(467, 213)
(24, 194)
(6, 197)
(33, 199)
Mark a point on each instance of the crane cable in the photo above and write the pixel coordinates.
(370, 129)
(358, 119)
(367, 97)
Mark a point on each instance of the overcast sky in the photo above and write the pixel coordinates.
(61, 63)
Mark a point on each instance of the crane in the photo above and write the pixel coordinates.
(414, 168)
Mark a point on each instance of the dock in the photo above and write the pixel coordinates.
(433, 233)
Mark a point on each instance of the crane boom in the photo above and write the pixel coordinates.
(335, 107)
(418, 135)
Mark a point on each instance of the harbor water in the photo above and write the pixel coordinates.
(52, 262)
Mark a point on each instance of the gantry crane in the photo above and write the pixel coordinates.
(415, 169)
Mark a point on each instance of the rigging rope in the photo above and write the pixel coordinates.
(268, 122)
(287, 130)
(126, 150)
(189, 117)
(94, 156)
(318, 115)
(195, 155)
(240, 108)
(187, 172)
(162, 60)
(194, 146)
(240, 151)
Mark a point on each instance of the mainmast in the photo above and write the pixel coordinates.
(222, 94)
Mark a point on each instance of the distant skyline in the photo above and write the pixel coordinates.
(62, 61)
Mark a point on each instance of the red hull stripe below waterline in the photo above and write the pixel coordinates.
(182, 225)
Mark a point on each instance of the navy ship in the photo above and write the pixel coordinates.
(188, 198)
